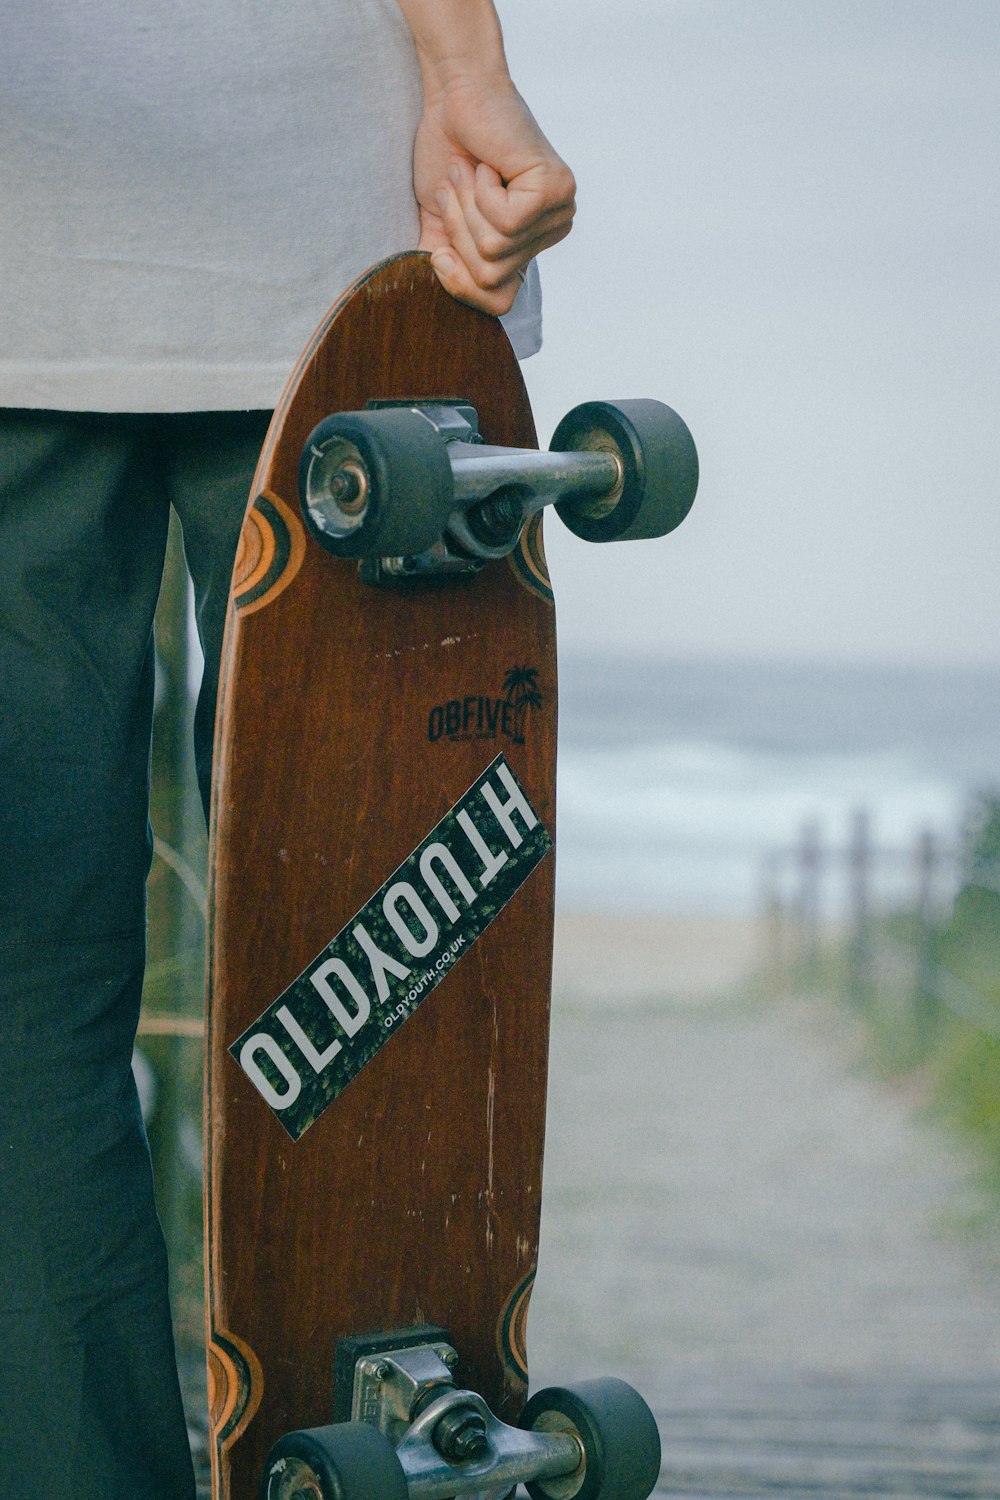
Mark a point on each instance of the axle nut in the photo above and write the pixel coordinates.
(461, 1435)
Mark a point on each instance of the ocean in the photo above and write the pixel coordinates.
(677, 780)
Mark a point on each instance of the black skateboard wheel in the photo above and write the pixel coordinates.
(659, 466)
(618, 1435)
(346, 1461)
(376, 483)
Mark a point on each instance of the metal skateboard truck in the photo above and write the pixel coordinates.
(413, 490)
(409, 1433)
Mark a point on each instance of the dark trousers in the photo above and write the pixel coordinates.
(89, 1401)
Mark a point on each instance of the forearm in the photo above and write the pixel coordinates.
(491, 190)
(455, 38)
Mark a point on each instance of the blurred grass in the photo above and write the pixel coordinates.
(966, 1061)
(927, 995)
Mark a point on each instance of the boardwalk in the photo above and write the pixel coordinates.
(778, 1251)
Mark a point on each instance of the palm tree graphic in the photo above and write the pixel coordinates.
(521, 687)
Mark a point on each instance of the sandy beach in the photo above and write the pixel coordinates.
(609, 958)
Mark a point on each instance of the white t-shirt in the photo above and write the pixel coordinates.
(186, 187)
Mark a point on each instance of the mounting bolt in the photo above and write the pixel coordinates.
(448, 1357)
(382, 1370)
(461, 1435)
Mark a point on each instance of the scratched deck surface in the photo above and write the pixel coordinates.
(414, 1196)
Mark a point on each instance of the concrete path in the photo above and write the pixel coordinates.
(792, 1265)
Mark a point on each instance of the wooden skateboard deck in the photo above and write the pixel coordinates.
(353, 722)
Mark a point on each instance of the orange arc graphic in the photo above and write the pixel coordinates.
(513, 1326)
(235, 1387)
(528, 560)
(261, 557)
(255, 552)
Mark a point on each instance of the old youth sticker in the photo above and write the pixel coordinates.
(318, 1035)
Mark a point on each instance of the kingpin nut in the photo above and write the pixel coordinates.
(461, 1435)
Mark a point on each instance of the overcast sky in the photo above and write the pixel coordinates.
(788, 229)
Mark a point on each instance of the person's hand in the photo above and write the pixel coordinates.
(491, 190)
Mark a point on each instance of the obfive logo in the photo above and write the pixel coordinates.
(481, 716)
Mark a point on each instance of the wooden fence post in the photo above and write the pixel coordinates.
(924, 1010)
(809, 863)
(859, 947)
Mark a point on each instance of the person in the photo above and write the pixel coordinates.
(186, 190)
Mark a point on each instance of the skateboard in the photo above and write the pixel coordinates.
(380, 940)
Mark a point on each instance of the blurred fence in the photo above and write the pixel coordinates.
(868, 919)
